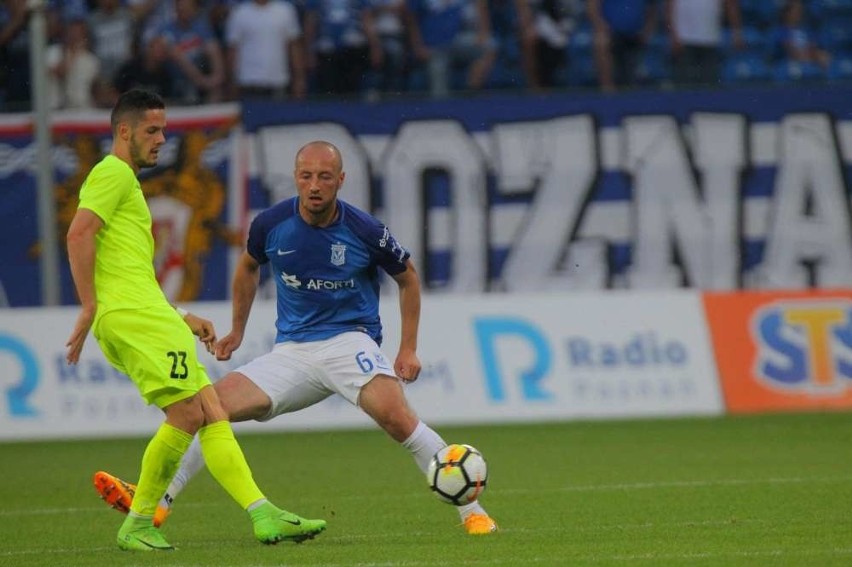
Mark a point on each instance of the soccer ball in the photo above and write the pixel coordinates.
(457, 474)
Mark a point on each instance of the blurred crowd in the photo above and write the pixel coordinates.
(200, 51)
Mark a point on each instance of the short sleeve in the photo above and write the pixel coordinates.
(391, 255)
(233, 27)
(256, 246)
(294, 29)
(384, 248)
(105, 189)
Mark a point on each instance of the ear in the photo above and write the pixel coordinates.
(124, 131)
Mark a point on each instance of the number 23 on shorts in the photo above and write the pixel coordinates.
(179, 369)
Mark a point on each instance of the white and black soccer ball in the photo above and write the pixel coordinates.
(457, 474)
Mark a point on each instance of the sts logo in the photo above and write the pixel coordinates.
(804, 346)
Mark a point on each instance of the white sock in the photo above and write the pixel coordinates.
(472, 508)
(190, 464)
(256, 504)
(423, 443)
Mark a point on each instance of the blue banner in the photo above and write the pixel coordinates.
(708, 189)
(188, 193)
(717, 190)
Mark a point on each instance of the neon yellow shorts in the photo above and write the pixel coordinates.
(156, 349)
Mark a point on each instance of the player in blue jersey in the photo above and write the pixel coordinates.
(324, 255)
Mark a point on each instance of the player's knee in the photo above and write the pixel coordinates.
(399, 421)
(195, 416)
(187, 415)
(241, 399)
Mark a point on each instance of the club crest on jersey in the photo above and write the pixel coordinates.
(338, 254)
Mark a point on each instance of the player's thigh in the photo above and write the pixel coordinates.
(287, 376)
(156, 349)
(241, 398)
(349, 362)
(383, 399)
(357, 369)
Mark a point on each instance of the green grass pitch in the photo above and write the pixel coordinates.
(762, 490)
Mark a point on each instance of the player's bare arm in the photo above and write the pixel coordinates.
(81, 255)
(201, 328)
(243, 288)
(407, 365)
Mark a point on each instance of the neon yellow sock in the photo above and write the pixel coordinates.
(159, 464)
(227, 464)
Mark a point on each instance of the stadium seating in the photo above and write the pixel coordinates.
(839, 69)
(759, 13)
(789, 71)
(758, 43)
(831, 8)
(745, 69)
(835, 36)
(580, 71)
(580, 41)
(653, 68)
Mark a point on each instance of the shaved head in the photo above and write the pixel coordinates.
(319, 147)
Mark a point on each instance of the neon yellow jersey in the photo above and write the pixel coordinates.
(124, 259)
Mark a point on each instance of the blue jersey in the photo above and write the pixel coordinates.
(625, 17)
(440, 21)
(339, 23)
(326, 278)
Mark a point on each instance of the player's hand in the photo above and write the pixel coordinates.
(228, 345)
(407, 365)
(203, 329)
(79, 334)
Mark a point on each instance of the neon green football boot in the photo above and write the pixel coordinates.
(139, 534)
(272, 524)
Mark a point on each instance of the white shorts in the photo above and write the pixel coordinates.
(298, 375)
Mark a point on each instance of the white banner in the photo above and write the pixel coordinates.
(486, 358)
(525, 357)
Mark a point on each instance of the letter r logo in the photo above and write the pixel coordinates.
(18, 394)
(489, 330)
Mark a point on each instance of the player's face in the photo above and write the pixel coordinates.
(146, 137)
(318, 179)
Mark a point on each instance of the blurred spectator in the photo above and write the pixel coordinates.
(389, 20)
(15, 55)
(72, 69)
(217, 15)
(622, 28)
(148, 69)
(152, 16)
(69, 10)
(198, 63)
(55, 22)
(112, 27)
(794, 41)
(265, 52)
(341, 44)
(546, 26)
(695, 31)
(509, 69)
(450, 34)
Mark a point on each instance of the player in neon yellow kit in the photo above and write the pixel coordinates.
(111, 251)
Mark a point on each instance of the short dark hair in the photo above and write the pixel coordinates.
(134, 101)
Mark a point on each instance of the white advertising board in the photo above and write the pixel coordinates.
(526, 357)
(487, 359)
